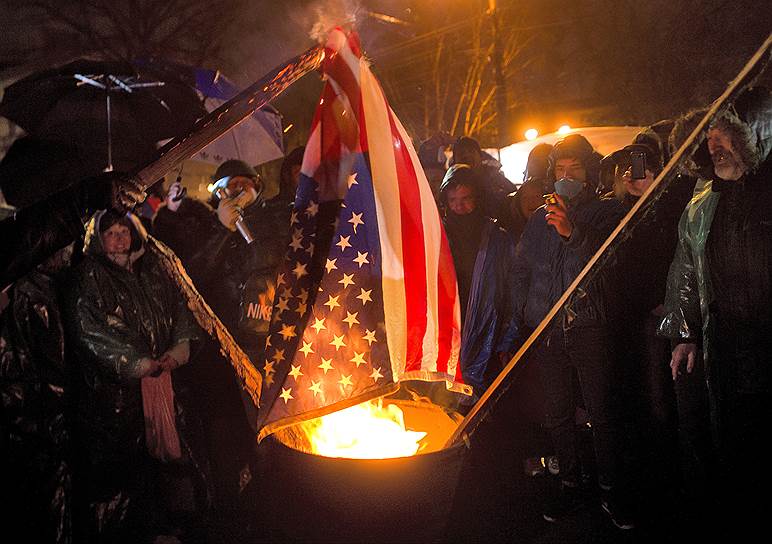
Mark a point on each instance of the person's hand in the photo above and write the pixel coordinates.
(228, 212)
(175, 189)
(681, 353)
(125, 194)
(168, 362)
(149, 367)
(557, 216)
(245, 198)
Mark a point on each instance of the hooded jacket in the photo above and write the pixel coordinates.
(235, 278)
(488, 327)
(546, 263)
(117, 318)
(693, 305)
(34, 437)
(479, 246)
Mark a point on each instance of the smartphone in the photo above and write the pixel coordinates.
(180, 194)
(638, 164)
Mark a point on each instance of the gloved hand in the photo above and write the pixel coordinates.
(228, 212)
(125, 194)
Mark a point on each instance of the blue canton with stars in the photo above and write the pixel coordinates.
(327, 340)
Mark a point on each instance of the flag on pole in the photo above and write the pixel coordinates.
(367, 294)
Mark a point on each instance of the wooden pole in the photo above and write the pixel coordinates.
(218, 122)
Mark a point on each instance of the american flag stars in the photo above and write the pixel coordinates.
(316, 387)
(346, 280)
(338, 341)
(295, 372)
(369, 337)
(332, 302)
(300, 270)
(358, 359)
(286, 395)
(343, 242)
(356, 220)
(326, 365)
(351, 319)
(318, 325)
(364, 296)
(287, 332)
(361, 259)
(306, 349)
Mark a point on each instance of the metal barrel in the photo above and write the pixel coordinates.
(304, 497)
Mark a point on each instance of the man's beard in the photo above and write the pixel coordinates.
(727, 166)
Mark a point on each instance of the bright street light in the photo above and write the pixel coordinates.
(531, 134)
(564, 129)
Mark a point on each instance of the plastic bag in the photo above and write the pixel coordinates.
(161, 436)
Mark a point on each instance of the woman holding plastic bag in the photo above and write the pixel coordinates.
(130, 330)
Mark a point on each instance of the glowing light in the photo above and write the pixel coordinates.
(366, 431)
(210, 187)
(564, 129)
(531, 134)
(288, 128)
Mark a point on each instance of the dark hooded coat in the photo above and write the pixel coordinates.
(235, 278)
(34, 435)
(115, 318)
(719, 289)
(546, 263)
(483, 255)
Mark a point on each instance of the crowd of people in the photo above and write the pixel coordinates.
(122, 421)
(666, 350)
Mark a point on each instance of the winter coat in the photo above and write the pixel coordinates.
(235, 278)
(692, 301)
(644, 258)
(36, 468)
(488, 327)
(546, 263)
(116, 318)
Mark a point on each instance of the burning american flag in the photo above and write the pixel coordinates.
(367, 293)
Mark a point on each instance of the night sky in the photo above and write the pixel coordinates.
(596, 62)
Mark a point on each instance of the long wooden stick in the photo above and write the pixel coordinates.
(228, 115)
(476, 414)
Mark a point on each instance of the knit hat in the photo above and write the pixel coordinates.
(575, 146)
(232, 168)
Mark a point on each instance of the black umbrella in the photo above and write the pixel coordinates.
(110, 107)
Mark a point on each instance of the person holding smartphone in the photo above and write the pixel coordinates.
(558, 241)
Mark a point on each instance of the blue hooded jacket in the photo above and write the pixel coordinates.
(488, 326)
(546, 263)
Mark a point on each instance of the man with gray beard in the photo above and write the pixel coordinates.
(718, 308)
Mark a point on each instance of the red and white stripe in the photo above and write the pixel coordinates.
(420, 294)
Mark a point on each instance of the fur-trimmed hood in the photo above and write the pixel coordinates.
(749, 123)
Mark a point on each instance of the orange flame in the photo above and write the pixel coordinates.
(366, 431)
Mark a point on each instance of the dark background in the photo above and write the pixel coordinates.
(595, 62)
